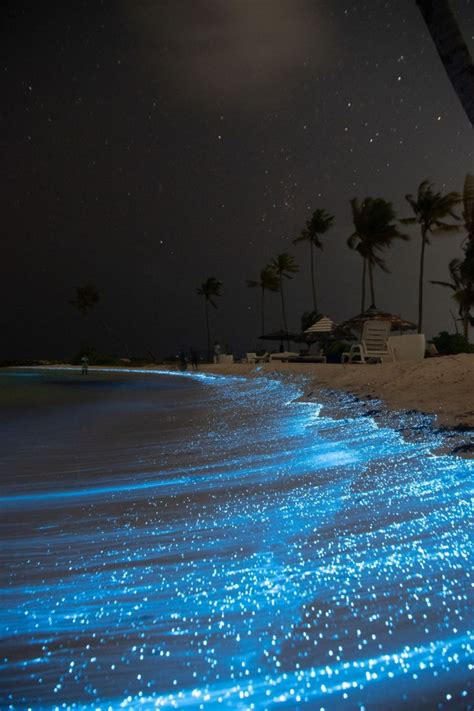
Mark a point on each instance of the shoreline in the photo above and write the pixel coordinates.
(440, 388)
(443, 387)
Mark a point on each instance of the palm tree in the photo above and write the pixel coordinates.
(430, 210)
(268, 281)
(468, 207)
(284, 265)
(463, 293)
(209, 289)
(452, 49)
(375, 230)
(320, 222)
(87, 296)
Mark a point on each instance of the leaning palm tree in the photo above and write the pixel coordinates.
(452, 49)
(463, 293)
(320, 222)
(430, 209)
(466, 267)
(209, 289)
(468, 207)
(375, 230)
(284, 265)
(268, 281)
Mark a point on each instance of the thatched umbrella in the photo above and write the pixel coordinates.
(397, 322)
(322, 325)
(323, 331)
(280, 335)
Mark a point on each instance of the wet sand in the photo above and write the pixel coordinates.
(441, 386)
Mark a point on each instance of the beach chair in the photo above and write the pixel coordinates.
(373, 346)
(250, 357)
(283, 355)
(263, 358)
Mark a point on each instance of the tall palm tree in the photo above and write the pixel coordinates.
(209, 289)
(87, 296)
(430, 209)
(463, 293)
(320, 222)
(284, 265)
(268, 281)
(452, 49)
(375, 231)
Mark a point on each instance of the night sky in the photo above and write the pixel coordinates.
(150, 144)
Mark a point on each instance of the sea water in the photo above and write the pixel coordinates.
(203, 542)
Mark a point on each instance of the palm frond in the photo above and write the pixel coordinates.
(443, 283)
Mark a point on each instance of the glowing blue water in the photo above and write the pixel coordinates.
(214, 543)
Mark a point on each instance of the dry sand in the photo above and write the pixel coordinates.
(441, 386)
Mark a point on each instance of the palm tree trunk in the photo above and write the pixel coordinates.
(208, 331)
(364, 266)
(111, 331)
(371, 283)
(283, 310)
(315, 304)
(262, 315)
(452, 49)
(420, 282)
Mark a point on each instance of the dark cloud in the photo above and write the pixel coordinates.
(230, 52)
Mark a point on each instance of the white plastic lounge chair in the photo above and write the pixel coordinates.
(283, 356)
(311, 358)
(254, 358)
(373, 346)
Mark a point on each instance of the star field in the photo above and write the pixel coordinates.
(147, 143)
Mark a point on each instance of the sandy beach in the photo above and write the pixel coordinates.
(441, 386)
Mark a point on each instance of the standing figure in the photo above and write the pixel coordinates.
(217, 352)
(84, 365)
(194, 359)
(183, 361)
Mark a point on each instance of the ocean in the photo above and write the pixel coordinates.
(194, 541)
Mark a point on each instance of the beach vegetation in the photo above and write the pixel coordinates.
(334, 350)
(319, 223)
(431, 209)
(375, 226)
(451, 343)
(308, 318)
(209, 290)
(463, 293)
(468, 207)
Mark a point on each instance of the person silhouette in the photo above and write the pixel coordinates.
(194, 359)
(183, 361)
(84, 365)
